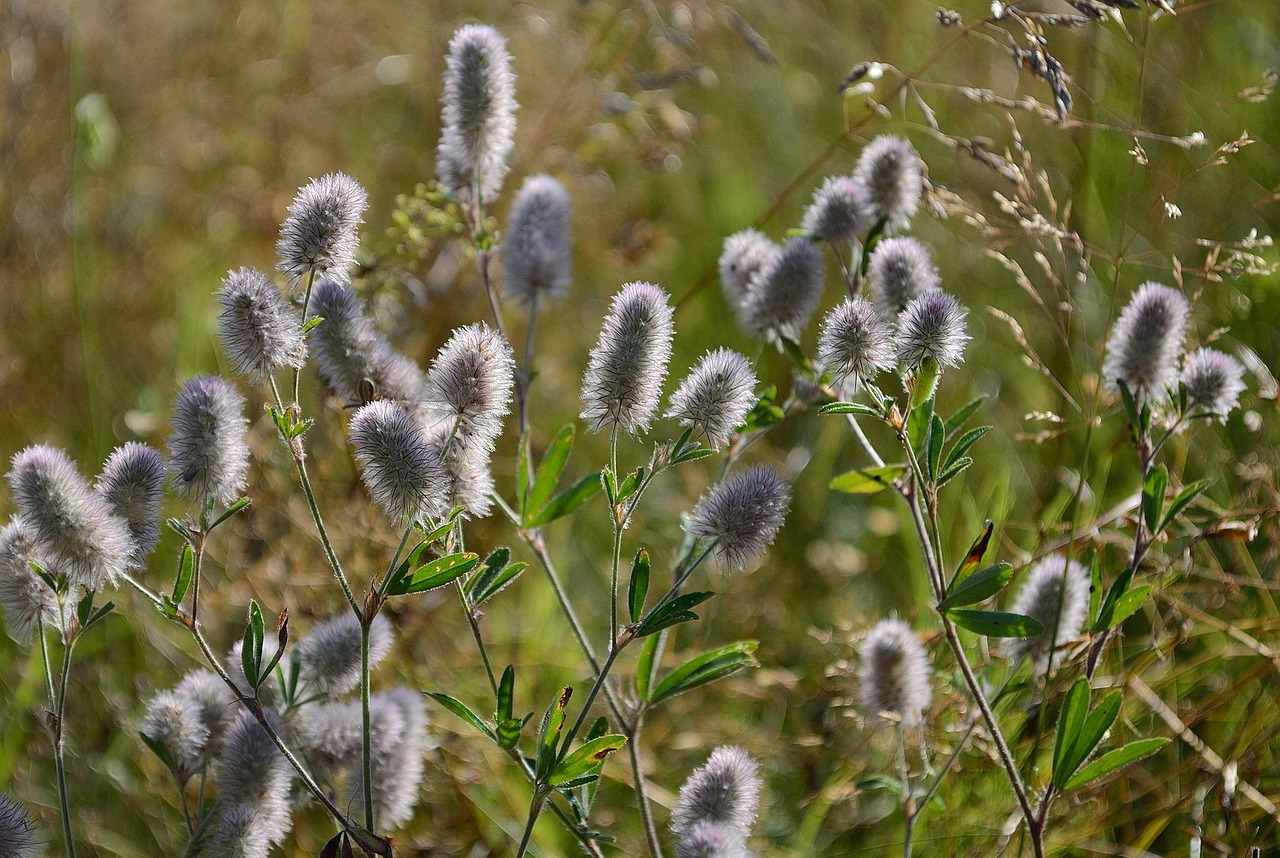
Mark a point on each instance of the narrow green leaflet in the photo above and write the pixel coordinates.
(1106, 613)
(646, 666)
(978, 587)
(957, 420)
(1128, 604)
(936, 437)
(462, 710)
(492, 575)
(182, 578)
(962, 446)
(231, 510)
(506, 694)
(1113, 761)
(955, 469)
(549, 469)
(868, 480)
(251, 646)
(639, 585)
(1183, 500)
(997, 624)
(435, 574)
(849, 408)
(549, 734)
(1075, 708)
(522, 475)
(672, 613)
(764, 413)
(1153, 496)
(586, 759)
(567, 501)
(706, 668)
(973, 558)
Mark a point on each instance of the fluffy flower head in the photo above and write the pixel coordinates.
(901, 269)
(320, 232)
(174, 722)
(840, 211)
(401, 468)
(742, 514)
(1146, 342)
(1056, 592)
(783, 294)
(894, 676)
(478, 114)
(1214, 382)
(208, 455)
(724, 790)
(855, 344)
(893, 175)
(716, 396)
(931, 328)
(25, 597)
(260, 331)
(470, 384)
(17, 832)
(623, 382)
(744, 254)
(329, 655)
(535, 251)
(132, 484)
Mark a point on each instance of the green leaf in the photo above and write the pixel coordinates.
(936, 433)
(973, 558)
(671, 613)
(1091, 733)
(282, 641)
(182, 578)
(437, 573)
(997, 624)
(954, 470)
(978, 587)
(1183, 500)
(231, 510)
(1153, 496)
(849, 408)
(586, 759)
(962, 446)
(881, 782)
(1075, 707)
(1128, 604)
(955, 421)
(764, 413)
(312, 323)
(553, 462)
(549, 734)
(646, 666)
(510, 730)
(491, 578)
(691, 453)
(435, 536)
(629, 484)
(919, 419)
(1131, 411)
(160, 750)
(567, 501)
(1095, 587)
(638, 588)
(506, 694)
(867, 480)
(1106, 613)
(1115, 760)
(251, 646)
(708, 667)
(463, 711)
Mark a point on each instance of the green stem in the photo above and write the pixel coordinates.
(475, 633)
(56, 702)
(306, 305)
(908, 802)
(642, 797)
(617, 541)
(366, 752)
(535, 808)
(591, 698)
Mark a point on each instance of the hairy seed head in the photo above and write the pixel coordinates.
(711, 840)
(252, 772)
(1214, 382)
(320, 232)
(716, 396)
(74, 527)
(724, 790)
(1055, 592)
(623, 382)
(891, 171)
(894, 676)
(535, 250)
(900, 270)
(208, 456)
(469, 387)
(17, 831)
(932, 327)
(398, 725)
(855, 344)
(132, 484)
(840, 211)
(782, 296)
(478, 114)
(742, 515)
(206, 691)
(174, 722)
(1146, 342)
(744, 254)
(238, 831)
(260, 332)
(24, 596)
(329, 655)
(401, 469)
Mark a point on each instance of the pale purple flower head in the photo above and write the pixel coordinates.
(18, 836)
(1146, 342)
(260, 332)
(1055, 592)
(132, 483)
(711, 840)
(784, 293)
(893, 175)
(320, 232)
(205, 690)
(329, 655)
(1214, 382)
(469, 387)
(716, 396)
(175, 722)
(478, 115)
(900, 270)
(402, 470)
(239, 830)
(840, 211)
(623, 382)
(24, 596)
(931, 328)
(856, 343)
(398, 735)
(742, 514)
(894, 676)
(744, 254)
(74, 527)
(535, 250)
(724, 790)
(254, 781)
(208, 456)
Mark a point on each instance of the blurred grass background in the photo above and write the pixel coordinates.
(150, 145)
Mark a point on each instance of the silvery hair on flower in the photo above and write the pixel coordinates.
(260, 332)
(469, 388)
(18, 836)
(716, 396)
(744, 254)
(351, 354)
(208, 456)
(403, 471)
(175, 722)
(320, 232)
(478, 114)
(74, 527)
(535, 250)
(932, 327)
(894, 677)
(784, 293)
(254, 780)
(725, 790)
(1214, 382)
(840, 211)
(900, 270)
(398, 725)
(711, 840)
(329, 655)
(209, 694)
(742, 515)
(1055, 592)
(24, 595)
(132, 483)
(891, 171)
(855, 344)
(1146, 342)
(625, 370)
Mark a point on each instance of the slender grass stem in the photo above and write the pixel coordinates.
(617, 541)
(475, 633)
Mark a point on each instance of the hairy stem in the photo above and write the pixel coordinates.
(57, 700)
(642, 797)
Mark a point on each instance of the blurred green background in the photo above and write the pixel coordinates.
(150, 145)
